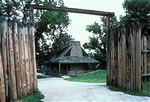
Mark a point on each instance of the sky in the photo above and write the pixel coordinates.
(80, 21)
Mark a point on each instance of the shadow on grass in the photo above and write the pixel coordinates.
(40, 77)
(34, 97)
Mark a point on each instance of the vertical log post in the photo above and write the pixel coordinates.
(8, 65)
(33, 48)
(124, 57)
(107, 51)
(127, 60)
(116, 58)
(67, 69)
(131, 54)
(129, 38)
(22, 64)
(138, 58)
(119, 58)
(142, 54)
(17, 61)
(24, 77)
(76, 69)
(27, 61)
(148, 58)
(112, 56)
(2, 82)
(4, 55)
(133, 57)
(59, 73)
(12, 66)
(145, 57)
(30, 58)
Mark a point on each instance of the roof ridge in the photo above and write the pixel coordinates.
(73, 53)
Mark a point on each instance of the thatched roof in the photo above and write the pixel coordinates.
(73, 53)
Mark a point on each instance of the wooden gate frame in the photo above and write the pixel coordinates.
(71, 10)
(66, 9)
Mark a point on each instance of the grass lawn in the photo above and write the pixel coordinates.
(146, 87)
(94, 77)
(40, 77)
(34, 97)
(100, 77)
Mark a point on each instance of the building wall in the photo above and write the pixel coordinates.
(53, 69)
(76, 69)
(68, 69)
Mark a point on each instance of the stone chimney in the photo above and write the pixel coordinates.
(76, 48)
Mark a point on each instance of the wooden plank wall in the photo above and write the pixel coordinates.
(17, 62)
(124, 57)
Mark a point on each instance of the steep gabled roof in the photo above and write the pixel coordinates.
(73, 53)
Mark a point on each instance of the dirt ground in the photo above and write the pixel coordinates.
(57, 89)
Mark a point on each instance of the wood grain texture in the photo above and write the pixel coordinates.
(2, 70)
(12, 64)
(18, 76)
(124, 57)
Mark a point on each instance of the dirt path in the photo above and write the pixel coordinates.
(57, 89)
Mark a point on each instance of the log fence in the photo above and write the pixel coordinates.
(17, 61)
(127, 57)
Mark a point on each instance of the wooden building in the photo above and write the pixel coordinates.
(72, 60)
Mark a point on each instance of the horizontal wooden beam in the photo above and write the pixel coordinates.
(145, 75)
(72, 10)
(145, 51)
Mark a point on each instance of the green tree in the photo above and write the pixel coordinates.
(9, 8)
(62, 40)
(14, 10)
(50, 27)
(51, 23)
(137, 11)
(98, 41)
(45, 52)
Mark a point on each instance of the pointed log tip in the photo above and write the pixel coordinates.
(20, 25)
(25, 24)
(2, 18)
(138, 25)
(127, 26)
(9, 24)
(14, 23)
(132, 25)
(120, 26)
